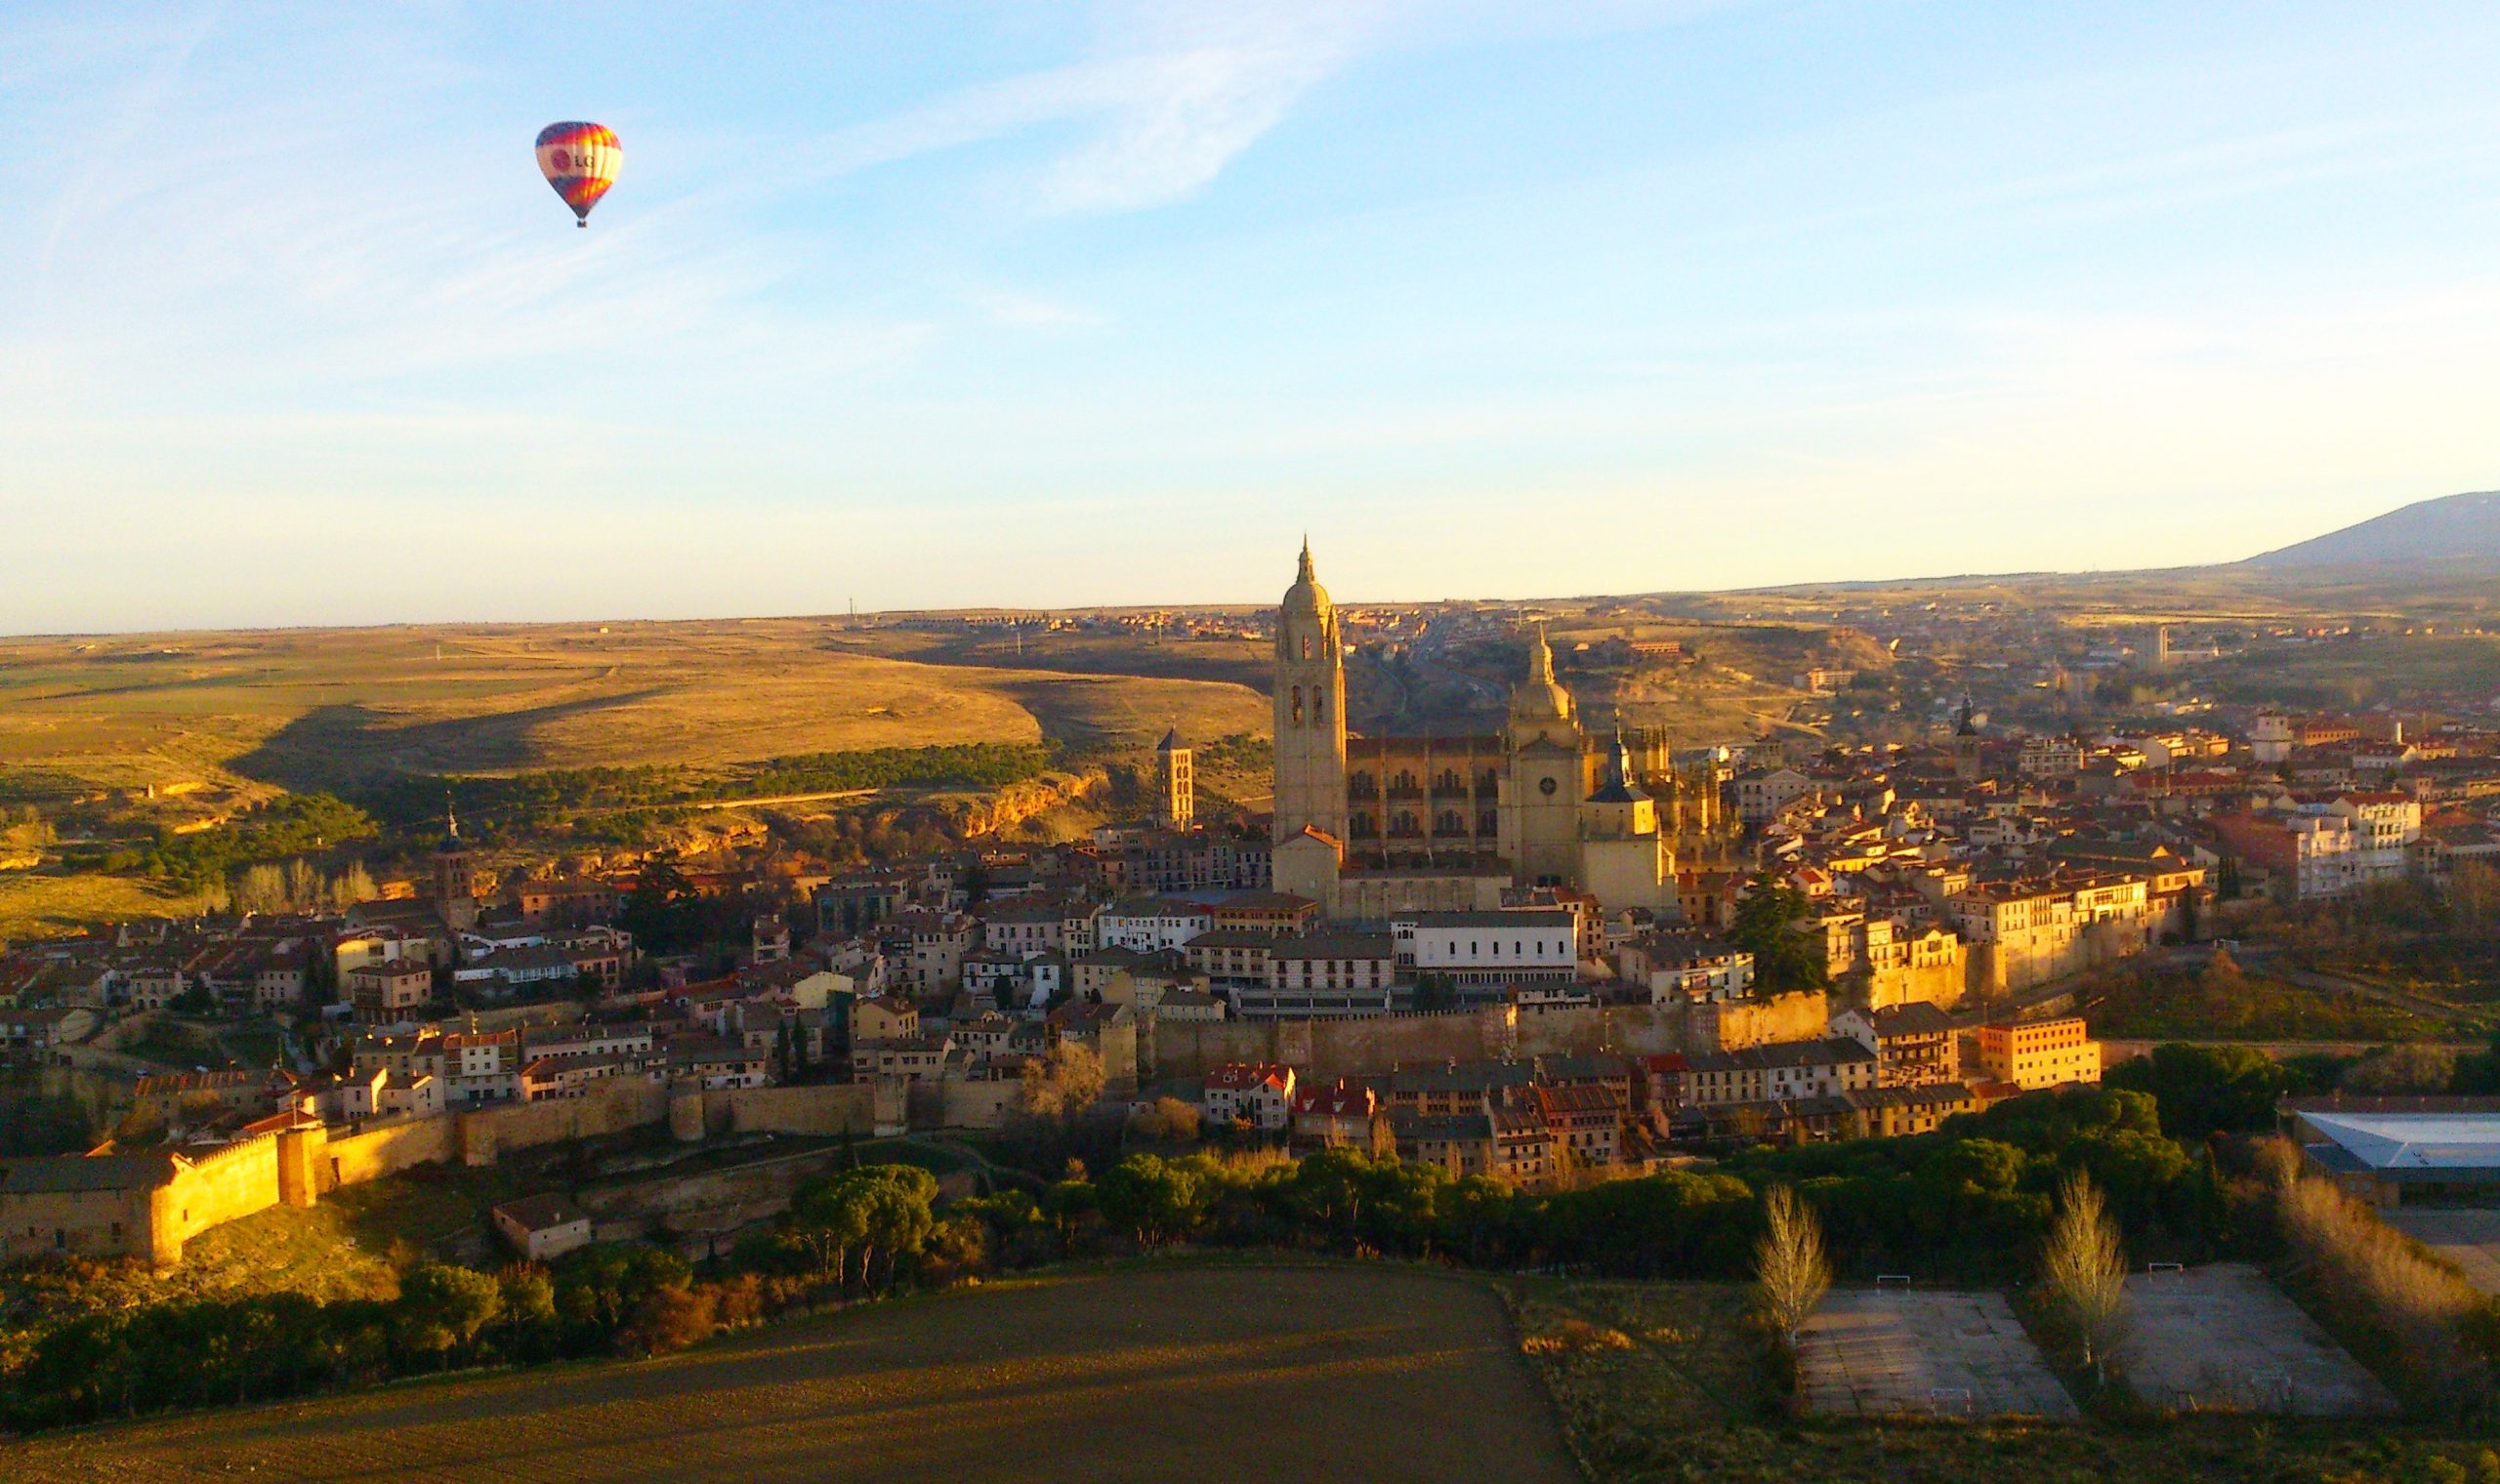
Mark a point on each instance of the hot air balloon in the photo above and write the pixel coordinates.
(580, 161)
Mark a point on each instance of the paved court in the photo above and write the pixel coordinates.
(2470, 1239)
(2222, 1338)
(1870, 1352)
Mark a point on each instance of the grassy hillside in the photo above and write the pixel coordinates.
(36, 904)
(328, 709)
(352, 1245)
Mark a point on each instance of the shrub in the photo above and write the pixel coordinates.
(1575, 1335)
(2412, 1318)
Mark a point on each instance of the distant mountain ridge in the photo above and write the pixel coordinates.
(2453, 530)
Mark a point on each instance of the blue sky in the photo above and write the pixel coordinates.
(932, 304)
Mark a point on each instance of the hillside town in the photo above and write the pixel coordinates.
(1542, 954)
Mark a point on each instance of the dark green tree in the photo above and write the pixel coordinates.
(1784, 959)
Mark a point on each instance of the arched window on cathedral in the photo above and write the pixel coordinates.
(1296, 706)
(1451, 824)
(1318, 705)
(1403, 824)
(1306, 646)
(1488, 783)
(1361, 825)
(1489, 823)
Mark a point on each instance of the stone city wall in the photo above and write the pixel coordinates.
(379, 1149)
(1327, 1050)
(833, 1108)
(1942, 985)
(610, 1105)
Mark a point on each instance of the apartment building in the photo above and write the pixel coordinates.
(2039, 1054)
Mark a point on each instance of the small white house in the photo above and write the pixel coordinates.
(541, 1227)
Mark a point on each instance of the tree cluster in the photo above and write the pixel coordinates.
(605, 1301)
(535, 802)
(289, 826)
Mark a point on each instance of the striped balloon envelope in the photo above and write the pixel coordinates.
(580, 161)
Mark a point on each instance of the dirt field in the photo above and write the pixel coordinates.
(2223, 1336)
(1671, 1382)
(1868, 1353)
(1205, 1375)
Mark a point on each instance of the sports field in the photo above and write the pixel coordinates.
(1197, 1374)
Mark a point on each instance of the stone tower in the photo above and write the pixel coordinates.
(1626, 859)
(1176, 794)
(1966, 745)
(1310, 709)
(455, 875)
(1548, 778)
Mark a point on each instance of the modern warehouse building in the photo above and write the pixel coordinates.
(2384, 1150)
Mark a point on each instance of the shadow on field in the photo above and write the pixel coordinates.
(335, 745)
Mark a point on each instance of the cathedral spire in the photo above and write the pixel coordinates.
(1304, 574)
(1540, 698)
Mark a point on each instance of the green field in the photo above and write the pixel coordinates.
(1198, 1372)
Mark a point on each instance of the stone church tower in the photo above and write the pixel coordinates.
(1175, 793)
(1309, 711)
(1548, 775)
(1626, 856)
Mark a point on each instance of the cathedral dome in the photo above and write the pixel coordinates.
(1305, 598)
(1540, 698)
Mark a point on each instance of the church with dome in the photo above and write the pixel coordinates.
(1372, 826)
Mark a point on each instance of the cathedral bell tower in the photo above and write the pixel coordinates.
(1310, 709)
(1548, 773)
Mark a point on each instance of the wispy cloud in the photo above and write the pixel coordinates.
(1197, 85)
(1167, 95)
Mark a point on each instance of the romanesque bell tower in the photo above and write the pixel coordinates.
(1311, 709)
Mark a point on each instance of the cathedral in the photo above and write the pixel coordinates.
(1371, 826)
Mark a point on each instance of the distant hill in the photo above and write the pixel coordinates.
(2455, 531)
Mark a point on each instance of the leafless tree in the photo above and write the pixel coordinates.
(1791, 1274)
(2084, 1273)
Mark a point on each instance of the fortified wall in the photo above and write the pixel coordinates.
(1942, 985)
(1327, 1050)
(1997, 969)
(149, 1205)
(612, 1105)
